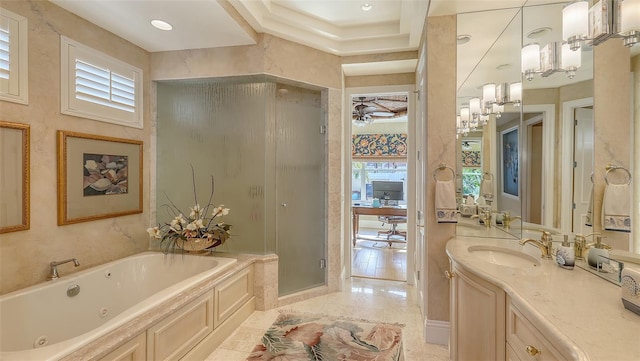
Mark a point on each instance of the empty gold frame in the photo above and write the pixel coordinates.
(14, 177)
(98, 177)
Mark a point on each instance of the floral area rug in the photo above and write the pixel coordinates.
(303, 336)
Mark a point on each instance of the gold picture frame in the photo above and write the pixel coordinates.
(98, 177)
(15, 182)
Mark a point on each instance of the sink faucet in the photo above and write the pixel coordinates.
(545, 244)
(53, 274)
(507, 219)
(485, 217)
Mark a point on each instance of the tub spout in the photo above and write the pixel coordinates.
(53, 273)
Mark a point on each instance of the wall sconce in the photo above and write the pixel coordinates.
(604, 20)
(552, 58)
(494, 98)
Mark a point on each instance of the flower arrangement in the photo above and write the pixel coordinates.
(196, 232)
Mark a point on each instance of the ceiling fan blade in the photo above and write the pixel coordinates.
(383, 114)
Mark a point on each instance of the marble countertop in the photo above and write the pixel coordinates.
(580, 312)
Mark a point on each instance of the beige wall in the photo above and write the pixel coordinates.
(440, 108)
(612, 124)
(25, 255)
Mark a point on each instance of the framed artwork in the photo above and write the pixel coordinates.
(14, 183)
(509, 154)
(98, 177)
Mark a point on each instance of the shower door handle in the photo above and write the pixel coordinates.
(284, 205)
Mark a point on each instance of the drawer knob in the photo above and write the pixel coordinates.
(448, 274)
(532, 351)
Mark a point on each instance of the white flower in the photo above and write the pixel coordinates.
(178, 222)
(195, 211)
(220, 211)
(154, 232)
(195, 225)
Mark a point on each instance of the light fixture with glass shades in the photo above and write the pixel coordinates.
(604, 20)
(480, 110)
(551, 58)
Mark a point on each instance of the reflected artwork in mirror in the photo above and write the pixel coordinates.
(14, 167)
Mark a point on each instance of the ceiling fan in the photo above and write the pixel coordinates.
(363, 114)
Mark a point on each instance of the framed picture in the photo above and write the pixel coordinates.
(98, 177)
(14, 183)
(509, 154)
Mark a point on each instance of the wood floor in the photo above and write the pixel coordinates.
(373, 257)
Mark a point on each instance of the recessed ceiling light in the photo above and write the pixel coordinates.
(503, 66)
(538, 33)
(162, 25)
(463, 39)
(366, 7)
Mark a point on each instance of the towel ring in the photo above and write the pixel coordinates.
(485, 174)
(612, 168)
(442, 167)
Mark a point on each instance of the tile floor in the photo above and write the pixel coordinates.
(379, 300)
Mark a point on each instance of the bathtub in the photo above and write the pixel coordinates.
(43, 322)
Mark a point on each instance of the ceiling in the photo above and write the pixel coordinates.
(339, 27)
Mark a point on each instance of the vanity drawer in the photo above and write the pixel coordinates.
(526, 342)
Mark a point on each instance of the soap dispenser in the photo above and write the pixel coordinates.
(565, 255)
(598, 253)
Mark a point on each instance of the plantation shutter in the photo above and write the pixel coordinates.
(102, 86)
(4, 53)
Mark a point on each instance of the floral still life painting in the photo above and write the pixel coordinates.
(105, 174)
(201, 229)
(295, 336)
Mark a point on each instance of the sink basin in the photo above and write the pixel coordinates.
(504, 256)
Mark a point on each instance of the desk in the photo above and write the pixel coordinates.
(370, 211)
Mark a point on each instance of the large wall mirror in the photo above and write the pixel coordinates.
(526, 149)
(557, 133)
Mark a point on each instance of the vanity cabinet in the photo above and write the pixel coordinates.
(487, 325)
(524, 339)
(477, 317)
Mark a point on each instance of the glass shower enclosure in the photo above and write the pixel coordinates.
(261, 142)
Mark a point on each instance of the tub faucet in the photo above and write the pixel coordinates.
(53, 274)
(545, 244)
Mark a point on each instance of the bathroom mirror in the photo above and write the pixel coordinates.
(547, 145)
(14, 168)
(488, 166)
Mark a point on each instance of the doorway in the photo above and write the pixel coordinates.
(381, 185)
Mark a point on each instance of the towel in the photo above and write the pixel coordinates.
(616, 208)
(446, 211)
(589, 218)
(486, 189)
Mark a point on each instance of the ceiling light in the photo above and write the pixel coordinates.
(538, 33)
(366, 7)
(463, 39)
(162, 25)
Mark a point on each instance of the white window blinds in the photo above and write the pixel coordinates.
(4, 53)
(102, 86)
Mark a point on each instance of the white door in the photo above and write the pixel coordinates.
(583, 168)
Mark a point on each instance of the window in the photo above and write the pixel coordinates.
(364, 173)
(99, 87)
(13, 57)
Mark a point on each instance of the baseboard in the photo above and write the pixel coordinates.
(436, 332)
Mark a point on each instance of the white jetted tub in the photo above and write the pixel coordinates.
(42, 322)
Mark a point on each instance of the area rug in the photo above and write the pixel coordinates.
(304, 336)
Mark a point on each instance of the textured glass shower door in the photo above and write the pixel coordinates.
(301, 192)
